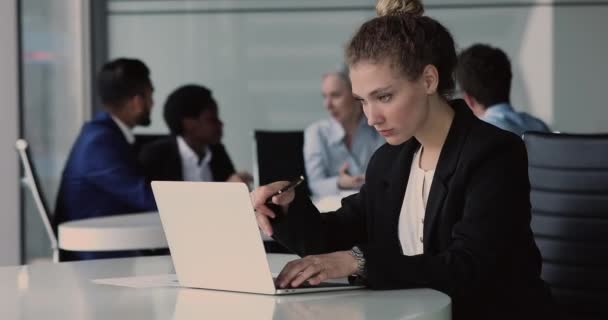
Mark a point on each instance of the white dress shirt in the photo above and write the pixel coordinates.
(126, 131)
(193, 167)
(411, 219)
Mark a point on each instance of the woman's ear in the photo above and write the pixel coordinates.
(430, 77)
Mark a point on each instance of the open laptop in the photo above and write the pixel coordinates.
(214, 238)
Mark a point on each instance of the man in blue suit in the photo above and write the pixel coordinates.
(102, 176)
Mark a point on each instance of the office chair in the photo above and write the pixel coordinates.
(123, 233)
(278, 156)
(569, 196)
(143, 139)
(30, 180)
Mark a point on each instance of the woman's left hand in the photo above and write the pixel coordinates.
(316, 269)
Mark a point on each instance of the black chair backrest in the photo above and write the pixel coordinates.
(279, 156)
(143, 139)
(569, 180)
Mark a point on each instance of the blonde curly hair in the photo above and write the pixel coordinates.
(408, 40)
(395, 7)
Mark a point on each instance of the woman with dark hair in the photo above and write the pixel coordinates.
(446, 202)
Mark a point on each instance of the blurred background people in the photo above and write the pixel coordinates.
(102, 176)
(484, 75)
(337, 149)
(194, 151)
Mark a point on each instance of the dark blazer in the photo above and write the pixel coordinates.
(101, 176)
(478, 245)
(161, 161)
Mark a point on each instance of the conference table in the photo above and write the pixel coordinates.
(135, 231)
(66, 291)
(121, 232)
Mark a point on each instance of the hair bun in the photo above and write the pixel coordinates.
(399, 7)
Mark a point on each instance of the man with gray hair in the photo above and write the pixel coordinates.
(337, 149)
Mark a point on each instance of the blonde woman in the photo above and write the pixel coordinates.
(446, 202)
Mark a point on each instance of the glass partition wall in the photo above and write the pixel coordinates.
(55, 85)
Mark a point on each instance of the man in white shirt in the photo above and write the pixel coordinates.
(194, 151)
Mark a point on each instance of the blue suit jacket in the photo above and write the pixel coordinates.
(102, 176)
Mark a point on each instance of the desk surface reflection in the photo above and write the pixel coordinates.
(65, 291)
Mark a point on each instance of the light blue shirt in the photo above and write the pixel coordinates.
(505, 117)
(325, 152)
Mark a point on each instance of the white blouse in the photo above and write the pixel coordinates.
(411, 219)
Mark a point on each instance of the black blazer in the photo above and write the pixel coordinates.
(478, 245)
(161, 160)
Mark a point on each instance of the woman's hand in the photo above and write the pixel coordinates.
(260, 195)
(317, 268)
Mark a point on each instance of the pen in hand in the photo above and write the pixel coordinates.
(274, 207)
(286, 188)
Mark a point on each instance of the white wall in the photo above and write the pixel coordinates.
(525, 34)
(580, 68)
(557, 50)
(264, 67)
(9, 103)
(263, 61)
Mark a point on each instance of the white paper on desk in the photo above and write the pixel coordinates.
(152, 281)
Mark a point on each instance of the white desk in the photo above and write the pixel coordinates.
(331, 202)
(135, 231)
(139, 230)
(64, 291)
(121, 232)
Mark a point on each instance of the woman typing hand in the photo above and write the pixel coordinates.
(317, 268)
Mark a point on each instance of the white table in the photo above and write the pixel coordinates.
(65, 291)
(137, 231)
(331, 202)
(140, 230)
(121, 232)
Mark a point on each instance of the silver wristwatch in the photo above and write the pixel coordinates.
(358, 255)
